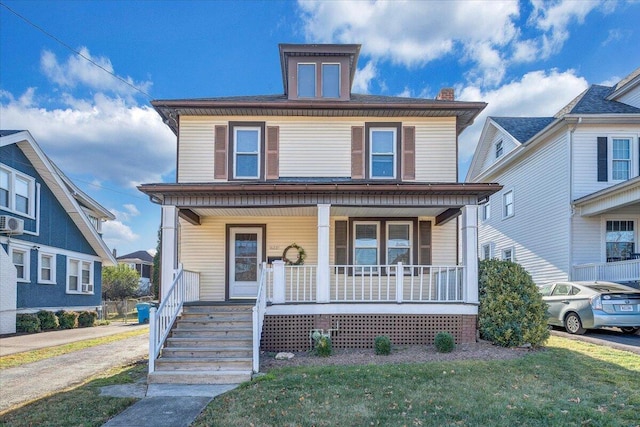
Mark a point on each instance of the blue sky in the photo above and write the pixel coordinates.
(524, 58)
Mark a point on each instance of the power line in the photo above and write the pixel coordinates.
(74, 51)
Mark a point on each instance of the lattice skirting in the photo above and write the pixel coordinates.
(292, 332)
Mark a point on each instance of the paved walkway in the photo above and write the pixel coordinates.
(28, 382)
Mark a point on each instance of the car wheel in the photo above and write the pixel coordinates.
(573, 324)
(630, 330)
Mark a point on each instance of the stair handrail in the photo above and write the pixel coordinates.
(258, 316)
(184, 288)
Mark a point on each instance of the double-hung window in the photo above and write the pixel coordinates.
(79, 277)
(306, 80)
(46, 268)
(508, 255)
(486, 211)
(17, 191)
(508, 204)
(486, 251)
(383, 153)
(246, 152)
(621, 159)
(366, 245)
(499, 149)
(620, 240)
(382, 242)
(21, 261)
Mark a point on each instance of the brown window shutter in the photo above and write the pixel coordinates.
(357, 152)
(409, 153)
(424, 241)
(220, 153)
(273, 160)
(341, 243)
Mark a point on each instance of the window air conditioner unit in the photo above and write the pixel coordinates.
(11, 225)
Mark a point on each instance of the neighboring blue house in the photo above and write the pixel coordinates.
(50, 231)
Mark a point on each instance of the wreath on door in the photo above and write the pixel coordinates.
(301, 255)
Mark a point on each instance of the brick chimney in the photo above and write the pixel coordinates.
(446, 94)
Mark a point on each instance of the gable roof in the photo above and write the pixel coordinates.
(140, 255)
(595, 100)
(626, 84)
(522, 128)
(57, 184)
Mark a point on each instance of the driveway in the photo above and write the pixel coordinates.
(609, 337)
(26, 383)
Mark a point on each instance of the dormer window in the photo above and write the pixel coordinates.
(331, 80)
(499, 149)
(306, 80)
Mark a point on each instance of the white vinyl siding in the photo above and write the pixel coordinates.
(489, 156)
(318, 147)
(585, 156)
(542, 210)
(631, 98)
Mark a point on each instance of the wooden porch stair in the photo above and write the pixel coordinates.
(210, 344)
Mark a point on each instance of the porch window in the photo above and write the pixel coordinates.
(366, 244)
(620, 240)
(20, 260)
(79, 277)
(246, 149)
(306, 80)
(399, 243)
(621, 159)
(382, 161)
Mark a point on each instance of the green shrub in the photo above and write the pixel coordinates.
(382, 345)
(322, 345)
(87, 319)
(67, 319)
(511, 311)
(444, 342)
(48, 320)
(27, 322)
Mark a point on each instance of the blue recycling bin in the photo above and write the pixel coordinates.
(143, 312)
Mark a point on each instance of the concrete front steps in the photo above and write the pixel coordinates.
(211, 343)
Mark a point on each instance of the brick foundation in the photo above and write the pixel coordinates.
(292, 332)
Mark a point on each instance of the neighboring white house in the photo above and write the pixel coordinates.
(570, 203)
(142, 262)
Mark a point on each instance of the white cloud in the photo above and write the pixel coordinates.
(130, 211)
(364, 76)
(100, 137)
(116, 234)
(79, 71)
(538, 93)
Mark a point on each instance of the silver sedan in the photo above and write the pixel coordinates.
(579, 306)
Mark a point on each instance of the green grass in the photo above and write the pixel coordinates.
(80, 406)
(567, 384)
(13, 360)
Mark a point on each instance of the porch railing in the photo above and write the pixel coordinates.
(618, 271)
(258, 316)
(372, 283)
(185, 288)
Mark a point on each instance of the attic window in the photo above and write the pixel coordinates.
(499, 149)
(306, 80)
(319, 79)
(331, 80)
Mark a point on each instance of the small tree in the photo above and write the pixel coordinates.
(511, 311)
(118, 284)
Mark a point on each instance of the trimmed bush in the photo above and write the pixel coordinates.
(67, 319)
(27, 322)
(87, 319)
(511, 311)
(48, 320)
(322, 346)
(444, 342)
(382, 345)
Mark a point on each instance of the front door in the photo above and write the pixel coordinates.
(245, 255)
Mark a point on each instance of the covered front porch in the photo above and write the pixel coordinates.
(611, 217)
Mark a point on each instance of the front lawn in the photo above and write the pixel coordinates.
(568, 383)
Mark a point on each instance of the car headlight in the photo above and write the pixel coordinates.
(596, 302)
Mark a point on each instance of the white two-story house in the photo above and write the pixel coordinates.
(569, 208)
(322, 209)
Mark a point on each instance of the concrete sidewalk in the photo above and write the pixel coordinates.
(20, 343)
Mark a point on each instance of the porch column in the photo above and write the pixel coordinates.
(470, 252)
(169, 244)
(322, 271)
